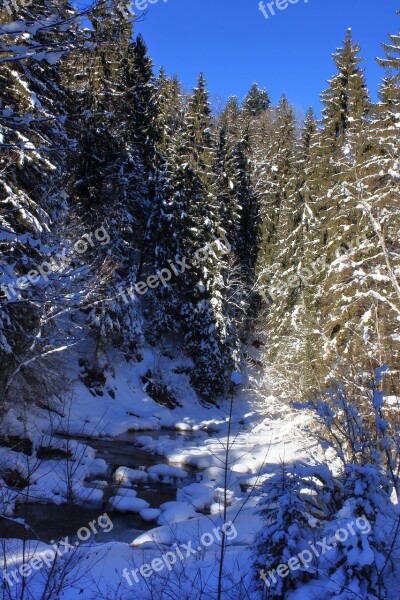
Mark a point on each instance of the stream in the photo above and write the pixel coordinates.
(50, 521)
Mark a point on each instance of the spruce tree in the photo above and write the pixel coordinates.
(375, 285)
(224, 189)
(169, 110)
(287, 528)
(113, 161)
(274, 179)
(34, 146)
(246, 236)
(255, 102)
(141, 98)
(338, 149)
(229, 119)
(190, 219)
(287, 295)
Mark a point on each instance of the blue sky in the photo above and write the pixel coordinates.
(234, 44)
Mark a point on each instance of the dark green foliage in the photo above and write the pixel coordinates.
(105, 142)
(255, 102)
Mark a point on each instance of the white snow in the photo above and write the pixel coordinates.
(200, 496)
(124, 474)
(165, 473)
(150, 514)
(264, 431)
(173, 512)
(128, 504)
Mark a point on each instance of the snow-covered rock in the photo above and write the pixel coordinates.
(97, 467)
(165, 473)
(173, 512)
(150, 514)
(199, 495)
(128, 504)
(124, 474)
(241, 468)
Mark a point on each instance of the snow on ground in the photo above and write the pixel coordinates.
(51, 480)
(165, 473)
(132, 409)
(263, 434)
(124, 474)
(150, 514)
(128, 504)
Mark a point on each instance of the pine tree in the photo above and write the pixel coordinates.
(274, 177)
(99, 68)
(198, 142)
(189, 219)
(376, 301)
(224, 189)
(229, 119)
(337, 151)
(246, 238)
(255, 102)
(170, 110)
(141, 98)
(111, 171)
(287, 294)
(357, 563)
(285, 534)
(34, 145)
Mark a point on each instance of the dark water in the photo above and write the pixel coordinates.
(52, 522)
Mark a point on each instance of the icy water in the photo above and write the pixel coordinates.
(51, 522)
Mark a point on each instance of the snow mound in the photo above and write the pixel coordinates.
(194, 457)
(97, 467)
(124, 474)
(241, 468)
(173, 512)
(150, 514)
(127, 504)
(199, 495)
(220, 495)
(165, 473)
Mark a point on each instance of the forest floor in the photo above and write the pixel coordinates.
(212, 455)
